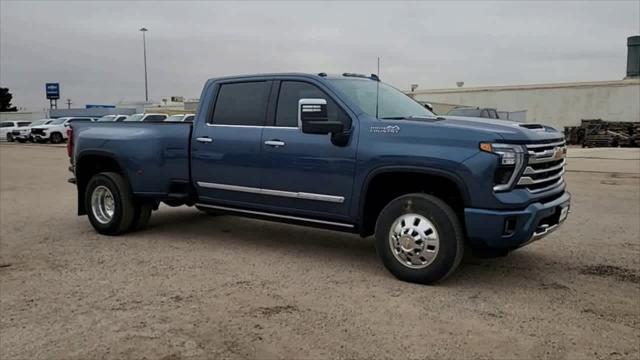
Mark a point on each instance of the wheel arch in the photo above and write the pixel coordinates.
(369, 207)
(89, 163)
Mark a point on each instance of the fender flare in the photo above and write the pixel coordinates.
(456, 179)
(79, 184)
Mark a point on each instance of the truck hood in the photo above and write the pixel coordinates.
(510, 131)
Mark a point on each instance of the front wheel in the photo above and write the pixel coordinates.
(10, 138)
(419, 238)
(109, 203)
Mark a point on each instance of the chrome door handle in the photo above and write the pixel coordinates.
(275, 143)
(204, 139)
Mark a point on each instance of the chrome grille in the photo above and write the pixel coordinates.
(544, 167)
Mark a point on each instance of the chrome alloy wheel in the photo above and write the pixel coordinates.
(414, 241)
(102, 204)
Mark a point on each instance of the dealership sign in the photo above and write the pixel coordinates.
(52, 90)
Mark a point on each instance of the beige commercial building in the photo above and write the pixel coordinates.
(562, 104)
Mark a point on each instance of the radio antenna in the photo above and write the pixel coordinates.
(378, 88)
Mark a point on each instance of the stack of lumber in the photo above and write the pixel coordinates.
(599, 133)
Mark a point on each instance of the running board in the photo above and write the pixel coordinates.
(280, 216)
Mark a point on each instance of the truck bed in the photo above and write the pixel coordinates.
(153, 156)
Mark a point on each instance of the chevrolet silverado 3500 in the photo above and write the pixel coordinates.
(344, 152)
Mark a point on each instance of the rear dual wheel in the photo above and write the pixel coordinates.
(111, 208)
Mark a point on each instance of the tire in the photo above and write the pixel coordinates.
(10, 138)
(22, 141)
(141, 216)
(122, 204)
(56, 138)
(424, 261)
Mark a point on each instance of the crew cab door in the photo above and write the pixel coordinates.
(306, 174)
(225, 149)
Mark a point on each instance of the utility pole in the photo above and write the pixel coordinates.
(144, 49)
(69, 103)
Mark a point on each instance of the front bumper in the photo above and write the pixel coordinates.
(512, 229)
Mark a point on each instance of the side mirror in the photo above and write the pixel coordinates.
(313, 119)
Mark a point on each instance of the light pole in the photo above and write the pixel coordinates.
(144, 49)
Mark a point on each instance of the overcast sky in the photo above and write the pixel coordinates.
(94, 49)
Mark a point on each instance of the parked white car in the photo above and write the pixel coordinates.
(23, 134)
(112, 118)
(7, 127)
(55, 131)
(149, 117)
(181, 118)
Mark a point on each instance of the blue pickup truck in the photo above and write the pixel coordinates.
(344, 152)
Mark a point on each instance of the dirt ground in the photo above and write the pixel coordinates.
(195, 286)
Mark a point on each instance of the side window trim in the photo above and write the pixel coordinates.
(272, 105)
(218, 87)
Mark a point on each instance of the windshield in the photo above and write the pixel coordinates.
(392, 103)
(135, 117)
(107, 118)
(175, 118)
(58, 121)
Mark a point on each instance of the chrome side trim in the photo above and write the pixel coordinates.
(529, 170)
(290, 194)
(547, 155)
(557, 183)
(535, 146)
(525, 180)
(235, 126)
(275, 215)
(254, 126)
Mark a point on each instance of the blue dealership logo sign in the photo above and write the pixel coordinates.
(52, 90)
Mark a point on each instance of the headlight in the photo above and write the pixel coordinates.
(510, 161)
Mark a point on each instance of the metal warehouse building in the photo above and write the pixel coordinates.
(557, 105)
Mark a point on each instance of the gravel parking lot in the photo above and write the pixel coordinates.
(195, 286)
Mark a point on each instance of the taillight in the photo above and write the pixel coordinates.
(70, 142)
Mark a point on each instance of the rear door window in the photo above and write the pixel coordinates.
(242, 103)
